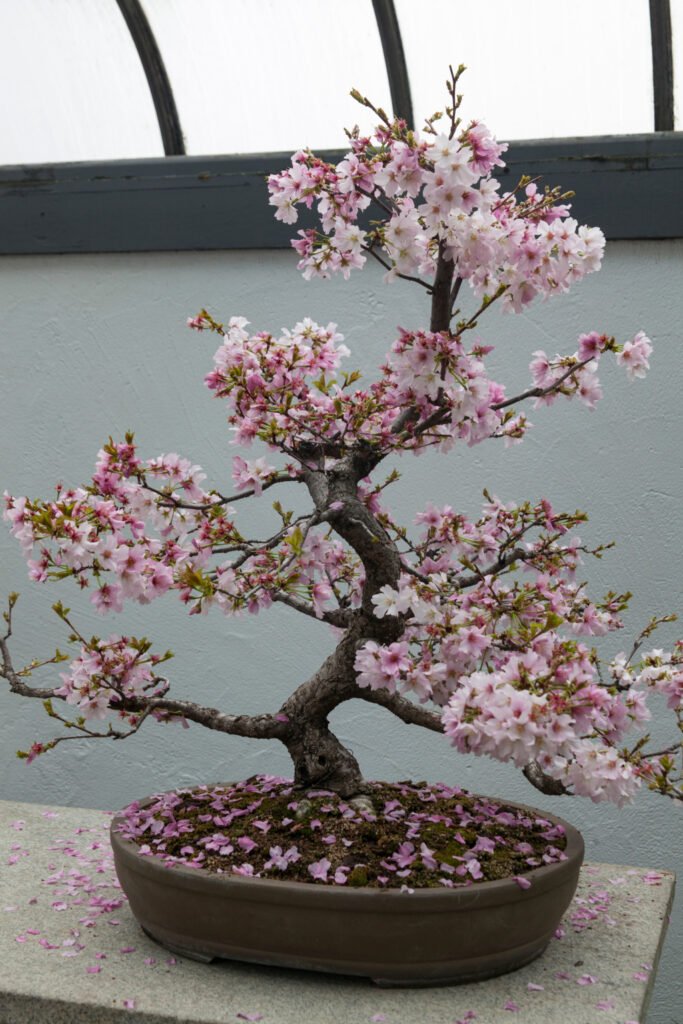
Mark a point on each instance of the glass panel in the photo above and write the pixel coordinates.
(543, 71)
(73, 85)
(269, 75)
(677, 34)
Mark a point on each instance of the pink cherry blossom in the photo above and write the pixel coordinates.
(635, 354)
(319, 869)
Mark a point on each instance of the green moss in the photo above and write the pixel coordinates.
(358, 877)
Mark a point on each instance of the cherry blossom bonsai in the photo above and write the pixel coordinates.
(477, 628)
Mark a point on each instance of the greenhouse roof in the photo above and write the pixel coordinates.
(88, 80)
(151, 124)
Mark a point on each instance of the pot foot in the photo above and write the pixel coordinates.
(189, 954)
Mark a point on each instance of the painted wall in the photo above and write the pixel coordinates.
(96, 345)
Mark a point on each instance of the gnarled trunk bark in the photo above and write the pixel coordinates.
(321, 761)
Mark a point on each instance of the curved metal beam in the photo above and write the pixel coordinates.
(157, 78)
(394, 58)
(662, 64)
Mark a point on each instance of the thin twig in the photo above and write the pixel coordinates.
(172, 502)
(541, 392)
(387, 266)
(338, 617)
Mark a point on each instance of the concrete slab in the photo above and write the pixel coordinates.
(71, 952)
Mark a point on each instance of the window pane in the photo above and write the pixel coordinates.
(268, 75)
(677, 33)
(538, 71)
(72, 84)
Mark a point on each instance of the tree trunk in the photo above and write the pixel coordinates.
(320, 759)
(322, 762)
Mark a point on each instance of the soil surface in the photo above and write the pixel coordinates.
(402, 835)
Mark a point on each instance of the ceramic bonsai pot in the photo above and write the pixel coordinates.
(422, 937)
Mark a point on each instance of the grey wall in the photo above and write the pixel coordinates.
(95, 345)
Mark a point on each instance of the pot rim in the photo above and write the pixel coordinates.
(488, 893)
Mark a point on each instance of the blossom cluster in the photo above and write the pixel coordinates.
(435, 196)
(105, 673)
(576, 375)
(286, 392)
(503, 658)
(500, 656)
(133, 535)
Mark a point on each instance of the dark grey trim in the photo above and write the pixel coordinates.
(157, 78)
(630, 186)
(394, 58)
(662, 64)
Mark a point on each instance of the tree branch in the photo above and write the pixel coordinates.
(442, 416)
(411, 714)
(355, 523)
(387, 266)
(454, 293)
(541, 392)
(16, 683)
(534, 774)
(250, 548)
(265, 726)
(440, 319)
(339, 617)
(516, 555)
(7, 670)
(171, 502)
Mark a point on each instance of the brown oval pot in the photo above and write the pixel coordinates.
(423, 937)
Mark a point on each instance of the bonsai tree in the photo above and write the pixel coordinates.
(478, 628)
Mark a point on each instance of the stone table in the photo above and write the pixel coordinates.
(72, 953)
